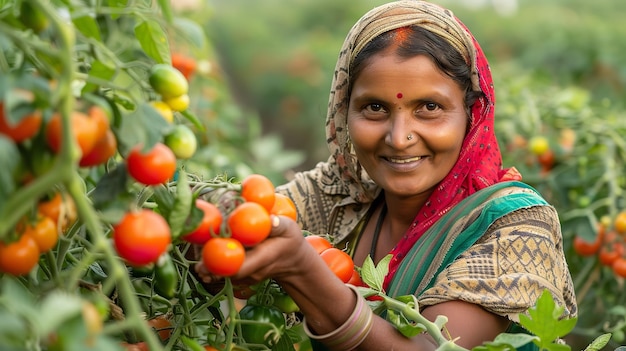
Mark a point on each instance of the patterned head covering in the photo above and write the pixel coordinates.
(480, 162)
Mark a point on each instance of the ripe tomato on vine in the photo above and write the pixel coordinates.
(25, 129)
(141, 237)
(339, 262)
(249, 223)
(284, 206)
(156, 166)
(19, 257)
(258, 188)
(209, 226)
(223, 256)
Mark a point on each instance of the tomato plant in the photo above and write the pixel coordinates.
(223, 256)
(153, 167)
(19, 257)
(339, 262)
(141, 237)
(262, 324)
(209, 226)
(249, 223)
(258, 188)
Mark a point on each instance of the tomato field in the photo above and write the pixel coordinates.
(127, 158)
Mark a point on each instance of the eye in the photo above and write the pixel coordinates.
(431, 106)
(375, 107)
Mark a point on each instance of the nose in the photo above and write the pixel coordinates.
(400, 133)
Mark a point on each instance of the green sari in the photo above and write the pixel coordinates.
(454, 233)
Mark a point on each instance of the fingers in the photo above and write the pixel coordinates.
(272, 257)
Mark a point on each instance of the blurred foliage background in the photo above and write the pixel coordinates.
(279, 57)
(559, 72)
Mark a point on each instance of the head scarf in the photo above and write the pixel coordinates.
(479, 164)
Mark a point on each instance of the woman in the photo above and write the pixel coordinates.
(415, 171)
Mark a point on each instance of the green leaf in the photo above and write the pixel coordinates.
(191, 31)
(110, 186)
(144, 126)
(101, 71)
(166, 9)
(9, 159)
(88, 26)
(544, 321)
(507, 341)
(182, 205)
(598, 343)
(57, 308)
(153, 41)
(374, 275)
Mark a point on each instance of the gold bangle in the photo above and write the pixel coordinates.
(352, 332)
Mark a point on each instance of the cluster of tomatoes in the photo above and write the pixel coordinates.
(36, 234)
(609, 245)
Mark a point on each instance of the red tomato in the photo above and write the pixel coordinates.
(141, 237)
(186, 65)
(585, 248)
(249, 223)
(619, 267)
(284, 206)
(611, 252)
(209, 226)
(26, 128)
(355, 279)
(319, 243)
(60, 208)
(258, 188)
(104, 149)
(19, 257)
(154, 167)
(223, 256)
(162, 326)
(339, 262)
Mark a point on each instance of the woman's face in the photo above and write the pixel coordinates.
(393, 98)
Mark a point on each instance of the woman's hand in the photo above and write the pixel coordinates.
(283, 255)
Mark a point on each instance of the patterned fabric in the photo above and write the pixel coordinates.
(336, 195)
(509, 267)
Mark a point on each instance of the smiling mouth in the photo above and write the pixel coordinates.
(403, 160)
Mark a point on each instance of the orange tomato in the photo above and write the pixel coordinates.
(19, 257)
(84, 129)
(258, 188)
(249, 223)
(26, 128)
(585, 248)
(209, 226)
(223, 256)
(59, 208)
(44, 232)
(284, 206)
(620, 223)
(339, 262)
(319, 243)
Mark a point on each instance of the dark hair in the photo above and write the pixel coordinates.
(412, 41)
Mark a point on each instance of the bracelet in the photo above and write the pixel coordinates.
(352, 332)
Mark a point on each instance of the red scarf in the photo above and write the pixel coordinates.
(479, 165)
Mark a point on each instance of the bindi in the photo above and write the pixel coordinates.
(399, 95)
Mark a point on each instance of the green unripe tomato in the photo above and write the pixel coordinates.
(168, 81)
(182, 141)
(258, 324)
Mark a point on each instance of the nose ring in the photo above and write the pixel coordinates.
(409, 137)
